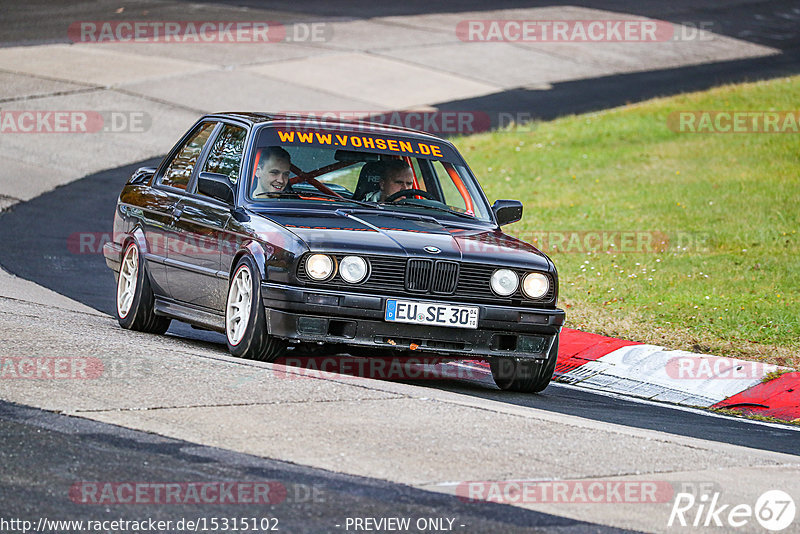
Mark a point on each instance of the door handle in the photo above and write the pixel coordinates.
(177, 211)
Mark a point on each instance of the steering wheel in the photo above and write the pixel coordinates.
(409, 193)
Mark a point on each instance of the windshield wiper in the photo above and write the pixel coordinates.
(439, 208)
(372, 205)
(297, 194)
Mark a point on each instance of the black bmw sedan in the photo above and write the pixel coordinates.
(281, 231)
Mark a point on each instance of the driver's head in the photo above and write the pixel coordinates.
(397, 176)
(272, 171)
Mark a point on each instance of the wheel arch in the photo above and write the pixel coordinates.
(137, 236)
(254, 250)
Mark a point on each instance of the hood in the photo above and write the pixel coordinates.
(406, 235)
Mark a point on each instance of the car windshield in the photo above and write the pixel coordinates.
(364, 168)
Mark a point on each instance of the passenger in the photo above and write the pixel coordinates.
(272, 171)
(396, 176)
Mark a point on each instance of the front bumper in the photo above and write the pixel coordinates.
(113, 254)
(314, 315)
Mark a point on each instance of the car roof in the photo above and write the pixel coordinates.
(306, 121)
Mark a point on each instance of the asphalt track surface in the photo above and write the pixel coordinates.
(42, 453)
(771, 23)
(42, 243)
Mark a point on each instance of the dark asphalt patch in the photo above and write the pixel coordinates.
(55, 240)
(44, 454)
(605, 92)
(662, 418)
(37, 237)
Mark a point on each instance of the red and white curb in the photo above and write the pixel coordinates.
(612, 366)
(656, 373)
(676, 376)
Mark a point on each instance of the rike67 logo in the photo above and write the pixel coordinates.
(774, 510)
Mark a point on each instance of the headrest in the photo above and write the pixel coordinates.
(369, 179)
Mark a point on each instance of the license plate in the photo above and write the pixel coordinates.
(409, 311)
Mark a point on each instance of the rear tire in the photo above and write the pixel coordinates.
(525, 376)
(245, 321)
(135, 301)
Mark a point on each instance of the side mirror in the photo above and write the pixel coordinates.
(216, 186)
(142, 175)
(507, 211)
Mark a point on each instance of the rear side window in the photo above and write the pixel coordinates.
(226, 154)
(180, 168)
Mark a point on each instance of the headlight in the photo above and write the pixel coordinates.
(353, 269)
(319, 266)
(535, 285)
(504, 282)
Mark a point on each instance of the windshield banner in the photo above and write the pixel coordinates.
(357, 141)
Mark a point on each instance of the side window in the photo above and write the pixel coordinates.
(179, 170)
(226, 154)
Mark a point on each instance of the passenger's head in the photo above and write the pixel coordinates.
(272, 171)
(397, 176)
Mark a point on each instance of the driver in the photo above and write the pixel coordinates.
(396, 176)
(272, 171)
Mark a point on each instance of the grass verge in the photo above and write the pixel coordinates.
(712, 261)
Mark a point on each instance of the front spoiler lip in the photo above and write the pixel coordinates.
(463, 344)
(285, 304)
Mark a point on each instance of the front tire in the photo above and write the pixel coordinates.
(525, 376)
(245, 322)
(135, 300)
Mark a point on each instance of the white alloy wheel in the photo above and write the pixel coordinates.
(128, 276)
(240, 298)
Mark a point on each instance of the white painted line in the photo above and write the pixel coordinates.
(699, 411)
